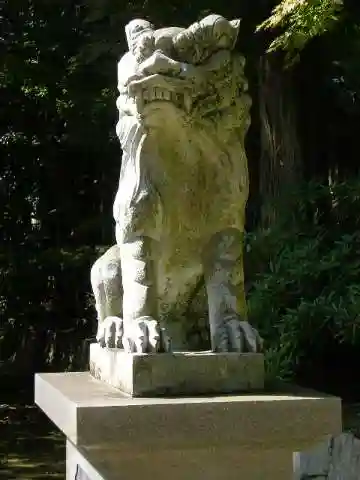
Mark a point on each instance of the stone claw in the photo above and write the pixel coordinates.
(135, 337)
(145, 336)
(154, 335)
(243, 337)
(110, 332)
(235, 336)
(254, 343)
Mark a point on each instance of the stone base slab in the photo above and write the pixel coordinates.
(228, 463)
(77, 465)
(221, 436)
(111, 435)
(192, 373)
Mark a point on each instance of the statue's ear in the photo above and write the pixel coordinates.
(236, 23)
(236, 28)
(134, 29)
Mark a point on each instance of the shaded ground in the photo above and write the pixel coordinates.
(31, 448)
(351, 418)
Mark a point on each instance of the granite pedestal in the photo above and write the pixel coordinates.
(182, 373)
(252, 436)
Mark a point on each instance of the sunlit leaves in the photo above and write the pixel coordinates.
(300, 21)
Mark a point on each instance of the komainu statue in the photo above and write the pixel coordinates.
(180, 207)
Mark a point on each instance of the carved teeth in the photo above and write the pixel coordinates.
(161, 94)
(166, 95)
(158, 93)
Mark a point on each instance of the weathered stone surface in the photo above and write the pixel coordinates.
(338, 458)
(177, 373)
(184, 111)
(78, 467)
(214, 437)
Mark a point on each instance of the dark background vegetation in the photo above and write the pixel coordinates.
(59, 166)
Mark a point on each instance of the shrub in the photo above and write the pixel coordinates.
(46, 310)
(303, 278)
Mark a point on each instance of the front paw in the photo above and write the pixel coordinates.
(144, 335)
(110, 332)
(243, 337)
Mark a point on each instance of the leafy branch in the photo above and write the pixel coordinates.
(299, 22)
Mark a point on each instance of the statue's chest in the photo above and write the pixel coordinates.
(197, 186)
(186, 174)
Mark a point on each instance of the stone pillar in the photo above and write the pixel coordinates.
(226, 437)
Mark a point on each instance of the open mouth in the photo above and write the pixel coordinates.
(157, 94)
(159, 88)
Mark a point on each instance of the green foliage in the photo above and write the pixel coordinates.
(300, 21)
(304, 278)
(46, 310)
(58, 171)
(59, 122)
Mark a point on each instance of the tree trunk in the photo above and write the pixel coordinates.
(280, 166)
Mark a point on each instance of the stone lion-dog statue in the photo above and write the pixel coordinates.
(180, 206)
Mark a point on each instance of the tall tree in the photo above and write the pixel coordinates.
(291, 26)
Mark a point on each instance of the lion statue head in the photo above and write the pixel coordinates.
(192, 70)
